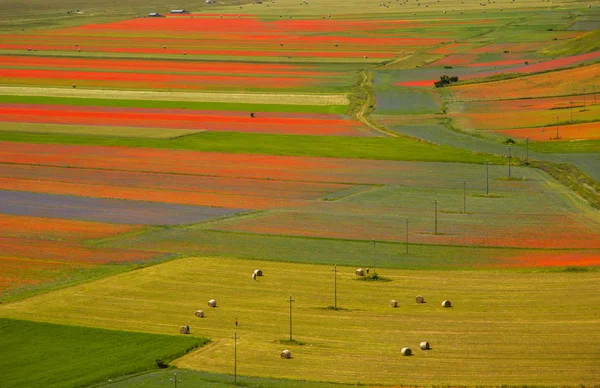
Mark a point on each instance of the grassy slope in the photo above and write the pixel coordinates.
(77, 356)
(295, 145)
(505, 327)
(579, 45)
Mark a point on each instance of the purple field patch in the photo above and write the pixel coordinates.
(114, 211)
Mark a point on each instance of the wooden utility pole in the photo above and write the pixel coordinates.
(291, 300)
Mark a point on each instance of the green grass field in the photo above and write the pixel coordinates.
(80, 356)
(295, 145)
(506, 328)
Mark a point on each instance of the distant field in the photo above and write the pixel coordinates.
(549, 84)
(473, 343)
(80, 355)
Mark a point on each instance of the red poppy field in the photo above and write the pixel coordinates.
(232, 121)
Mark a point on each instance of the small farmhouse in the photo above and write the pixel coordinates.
(179, 11)
(154, 15)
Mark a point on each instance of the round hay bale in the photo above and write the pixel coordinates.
(420, 299)
(424, 345)
(184, 330)
(406, 352)
(258, 272)
(199, 314)
(393, 303)
(446, 303)
(360, 272)
(286, 354)
(212, 303)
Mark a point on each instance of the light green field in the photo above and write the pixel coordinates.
(505, 328)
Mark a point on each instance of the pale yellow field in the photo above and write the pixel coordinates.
(250, 98)
(97, 130)
(505, 327)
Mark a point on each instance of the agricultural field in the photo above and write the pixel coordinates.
(149, 164)
(476, 342)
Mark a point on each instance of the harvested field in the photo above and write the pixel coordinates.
(473, 341)
(94, 130)
(258, 98)
(115, 211)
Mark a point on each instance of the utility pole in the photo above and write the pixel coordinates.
(373, 242)
(571, 111)
(435, 203)
(407, 235)
(175, 379)
(235, 337)
(527, 149)
(291, 300)
(509, 157)
(335, 286)
(557, 127)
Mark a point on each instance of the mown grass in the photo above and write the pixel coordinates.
(566, 147)
(580, 45)
(35, 354)
(293, 145)
(121, 103)
(506, 328)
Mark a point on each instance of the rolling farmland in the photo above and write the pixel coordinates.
(148, 164)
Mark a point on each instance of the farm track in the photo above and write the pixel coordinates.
(363, 113)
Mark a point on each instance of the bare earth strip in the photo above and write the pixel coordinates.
(96, 130)
(253, 98)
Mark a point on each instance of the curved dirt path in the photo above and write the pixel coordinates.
(370, 101)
